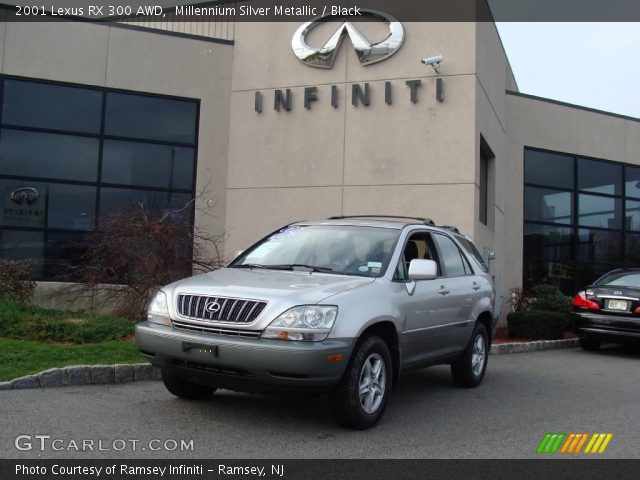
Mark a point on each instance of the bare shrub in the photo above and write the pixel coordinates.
(135, 251)
(15, 281)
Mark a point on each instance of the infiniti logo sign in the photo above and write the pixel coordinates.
(367, 52)
(28, 195)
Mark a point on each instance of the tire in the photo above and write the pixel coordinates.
(360, 411)
(468, 371)
(185, 389)
(590, 343)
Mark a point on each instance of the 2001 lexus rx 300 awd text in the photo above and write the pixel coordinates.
(340, 306)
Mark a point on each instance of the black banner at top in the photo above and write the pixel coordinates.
(303, 10)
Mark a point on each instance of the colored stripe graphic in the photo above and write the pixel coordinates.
(598, 443)
(550, 442)
(572, 443)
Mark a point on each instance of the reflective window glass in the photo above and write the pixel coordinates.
(546, 205)
(48, 155)
(632, 181)
(598, 245)
(599, 177)
(150, 165)
(632, 215)
(152, 118)
(632, 249)
(23, 245)
(46, 205)
(552, 243)
(597, 211)
(41, 105)
(549, 169)
(114, 200)
(450, 256)
(558, 274)
(63, 251)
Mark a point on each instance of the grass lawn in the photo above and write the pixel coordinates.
(24, 357)
(33, 339)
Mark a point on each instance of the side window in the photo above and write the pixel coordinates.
(450, 256)
(420, 246)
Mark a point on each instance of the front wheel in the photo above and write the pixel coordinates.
(468, 371)
(361, 396)
(185, 389)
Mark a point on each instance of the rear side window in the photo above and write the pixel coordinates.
(450, 256)
(473, 251)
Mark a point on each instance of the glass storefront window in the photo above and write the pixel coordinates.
(149, 165)
(597, 211)
(137, 116)
(587, 224)
(48, 106)
(52, 140)
(546, 205)
(599, 177)
(48, 155)
(549, 169)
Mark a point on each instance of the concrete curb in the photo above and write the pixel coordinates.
(85, 375)
(536, 346)
(131, 372)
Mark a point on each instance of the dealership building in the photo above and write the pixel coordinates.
(265, 127)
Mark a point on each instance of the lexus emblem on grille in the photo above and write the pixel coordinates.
(367, 52)
(617, 292)
(212, 307)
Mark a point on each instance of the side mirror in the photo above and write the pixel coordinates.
(422, 270)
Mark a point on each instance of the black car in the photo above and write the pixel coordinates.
(608, 309)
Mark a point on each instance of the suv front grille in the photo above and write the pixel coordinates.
(219, 309)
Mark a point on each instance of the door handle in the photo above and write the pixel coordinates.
(443, 291)
(475, 286)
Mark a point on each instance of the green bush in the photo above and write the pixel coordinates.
(537, 324)
(548, 297)
(28, 322)
(15, 281)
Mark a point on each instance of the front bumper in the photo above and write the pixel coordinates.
(244, 364)
(611, 327)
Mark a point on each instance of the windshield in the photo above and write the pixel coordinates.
(623, 279)
(346, 250)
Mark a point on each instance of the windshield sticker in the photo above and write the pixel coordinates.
(377, 265)
(285, 232)
(363, 268)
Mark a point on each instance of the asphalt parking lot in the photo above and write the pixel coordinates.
(523, 397)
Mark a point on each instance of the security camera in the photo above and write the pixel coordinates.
(433, 61)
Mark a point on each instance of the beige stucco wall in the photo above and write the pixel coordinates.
(404, 158)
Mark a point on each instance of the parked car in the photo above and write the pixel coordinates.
(342, 306)
(608, 309)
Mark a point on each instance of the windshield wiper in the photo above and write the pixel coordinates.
(257, 265)
(313, 268)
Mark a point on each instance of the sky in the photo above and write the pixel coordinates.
(595, 65)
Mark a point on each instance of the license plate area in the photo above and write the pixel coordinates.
(619, 305)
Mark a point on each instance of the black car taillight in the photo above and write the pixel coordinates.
(581, 301)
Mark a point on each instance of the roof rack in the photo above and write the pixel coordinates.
(450, 227)
(426, 221)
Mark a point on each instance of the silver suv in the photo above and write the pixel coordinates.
(342, 305)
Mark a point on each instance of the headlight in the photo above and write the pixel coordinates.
(309, 323)
(158, 311)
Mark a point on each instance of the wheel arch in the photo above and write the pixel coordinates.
(386, 330)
